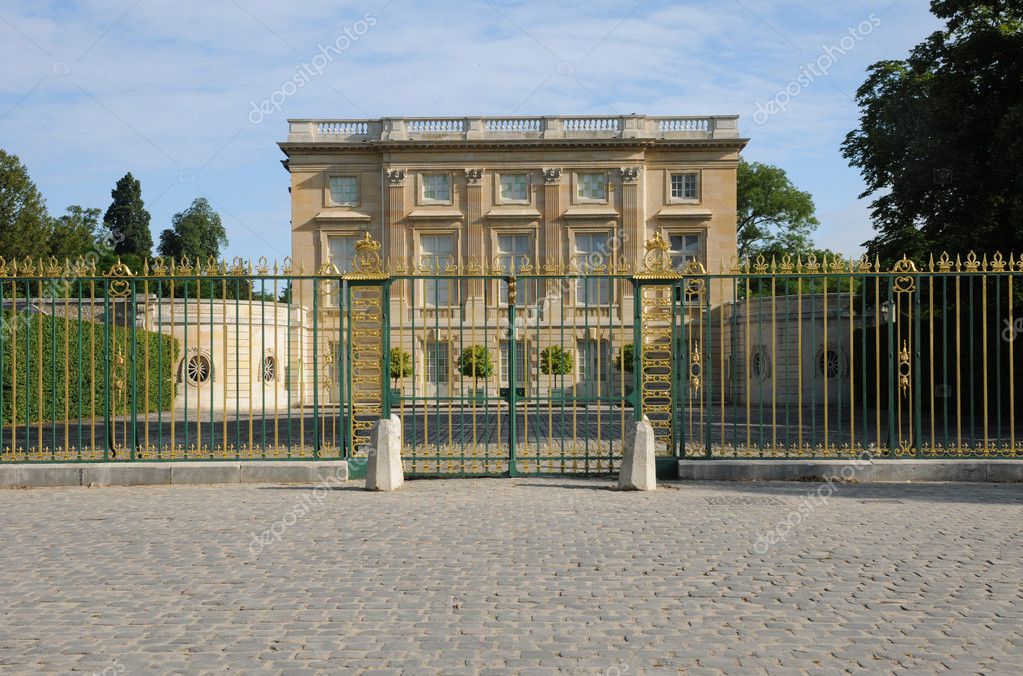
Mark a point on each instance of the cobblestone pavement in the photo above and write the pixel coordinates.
(509, 575)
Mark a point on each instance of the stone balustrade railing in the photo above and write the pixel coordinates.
(581, 127)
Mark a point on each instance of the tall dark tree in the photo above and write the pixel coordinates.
(73, 234)
(197, 232)
(774, 216)
(939, 140)
(128, 221)
(24, 223)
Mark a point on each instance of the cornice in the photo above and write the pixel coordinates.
(515, 144)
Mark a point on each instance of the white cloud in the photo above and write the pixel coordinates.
(162, 87)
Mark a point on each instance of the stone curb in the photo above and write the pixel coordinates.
(864, 471)
(169, 473)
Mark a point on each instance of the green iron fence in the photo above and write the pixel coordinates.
(509, 368)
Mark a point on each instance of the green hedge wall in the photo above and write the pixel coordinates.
(83, 384)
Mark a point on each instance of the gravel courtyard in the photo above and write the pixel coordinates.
(509, 575)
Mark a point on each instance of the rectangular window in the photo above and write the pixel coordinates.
(593, 257)
(344, 190)
(436, 253)
(514, 188)
(685, 186)
(341, 252)
(592, 186)
(683, 248)
(437, 364)
(513, 252)
(436, 187)
(520, 362)
(595, 361)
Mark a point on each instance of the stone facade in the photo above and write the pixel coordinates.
(544, 193)
(465, 188)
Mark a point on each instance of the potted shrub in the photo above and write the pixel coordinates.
(401, 367)
(476, 362)
(557, 361)
(625, 359)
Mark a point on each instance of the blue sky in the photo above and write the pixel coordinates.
(92, 89)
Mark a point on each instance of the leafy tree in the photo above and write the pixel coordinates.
(772, 213)
(556, 360)
(197, 232)
(285, 296)
(73, 234)
(786, 285)
(401, 364)
(128, 219)
(626, 356)
(24, 223)
(476, 362)
(938, 142)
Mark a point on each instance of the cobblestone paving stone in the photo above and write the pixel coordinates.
(507, 576)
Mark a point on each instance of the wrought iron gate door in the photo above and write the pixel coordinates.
(502, 374)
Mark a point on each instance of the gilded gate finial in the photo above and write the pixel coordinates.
(657, 260)
(367, 262)
(904, 282)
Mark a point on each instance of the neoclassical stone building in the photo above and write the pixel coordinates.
(516, 192)
(531, 188)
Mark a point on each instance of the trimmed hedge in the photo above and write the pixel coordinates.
(74, 342)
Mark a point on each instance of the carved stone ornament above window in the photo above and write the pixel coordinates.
(473, 176)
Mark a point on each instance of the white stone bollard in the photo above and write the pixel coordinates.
(639, 463)
(384, 471)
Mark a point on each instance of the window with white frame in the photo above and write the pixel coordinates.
(436, 187)
(683, 248)
(513, 252)
(344, 190)
(520, 362)
(592, 186)
(514, 188)
(685, 186)
(593, 255)
(341, 252)
(436, 252)
(437, 362)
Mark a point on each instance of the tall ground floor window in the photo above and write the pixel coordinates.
(341, 252)
(513, 252)
(593, 254)
(437, 360)
(520, 362)
(436, 252)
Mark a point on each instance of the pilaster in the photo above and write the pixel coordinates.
(551, 217)
(474, 226)
(552, 254)
(632, 217)
(474, 239)
(633, 234)
(397, 255)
